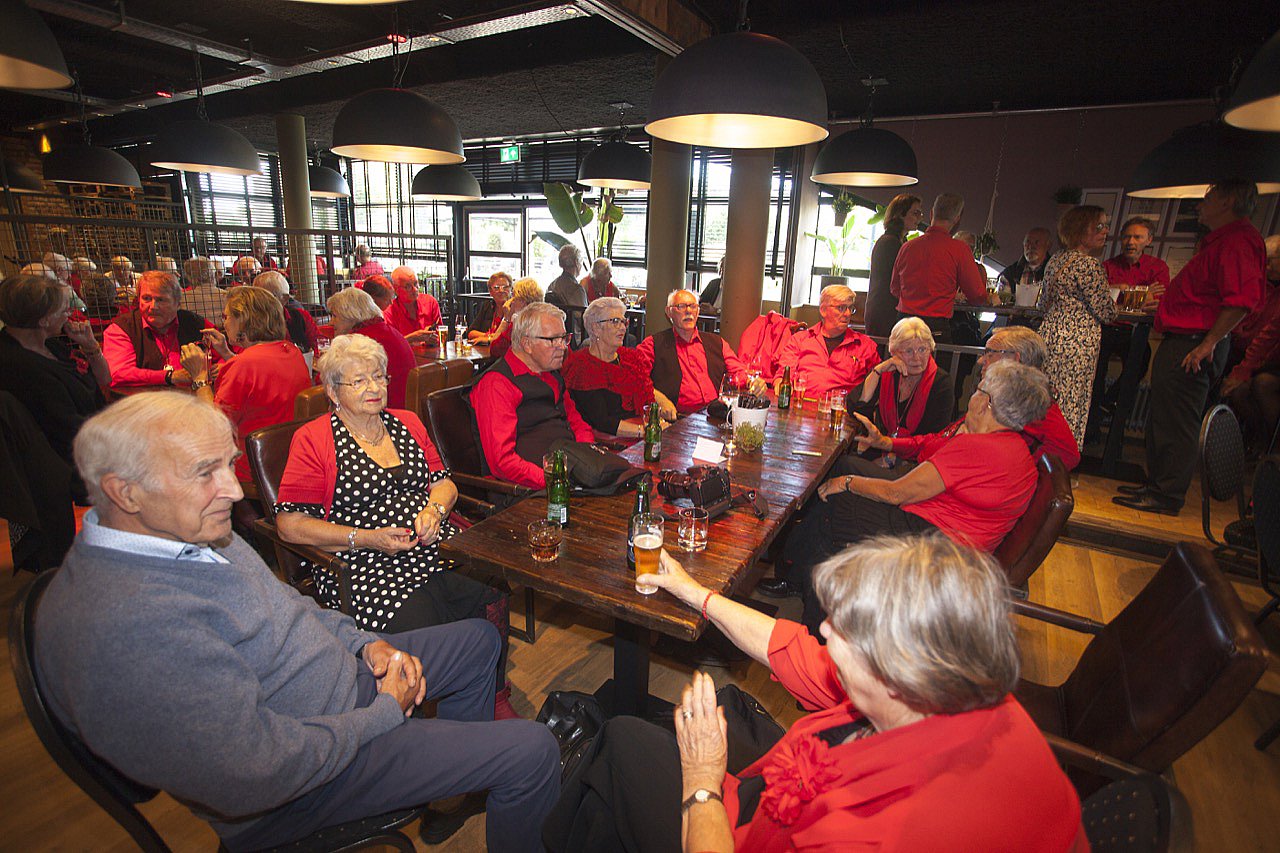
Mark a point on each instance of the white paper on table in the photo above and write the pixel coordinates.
(708, 450)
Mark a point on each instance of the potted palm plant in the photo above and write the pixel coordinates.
(838, 244)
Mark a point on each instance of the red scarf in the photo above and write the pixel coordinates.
(915, 408)
(627, 377)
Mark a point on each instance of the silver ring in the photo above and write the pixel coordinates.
(688, 715)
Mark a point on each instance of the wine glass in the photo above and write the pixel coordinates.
(729, 391)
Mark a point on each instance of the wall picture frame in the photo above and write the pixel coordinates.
(1153, 209)
(1184, 218)
(1107, 198)
(1176, 255)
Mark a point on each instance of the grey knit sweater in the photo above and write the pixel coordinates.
(213, 682)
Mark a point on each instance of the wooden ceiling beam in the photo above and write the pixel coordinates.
(666, 24)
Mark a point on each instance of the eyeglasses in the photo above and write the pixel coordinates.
(555, 339)
(612, 321)
(685, 306)
(989, 351)
(375, 380)
(1101, 226)
(841, 309)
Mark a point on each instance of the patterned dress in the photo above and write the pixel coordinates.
(368, 496)
(1076, 303)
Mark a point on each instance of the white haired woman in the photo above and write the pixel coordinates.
(367, 481)
(354, 311)
(914, 741)
(610, 382)
(523, 292)
(907, 393)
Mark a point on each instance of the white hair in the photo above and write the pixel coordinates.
(569, 257)
(272, 282)
(601, 268)
(600, 307)
(201, 271)
(832, 292)
(167, 281)
(910, 329)
(527, 322)
(671, 297)
(1019, 394)
(354, 305)
(349, 351)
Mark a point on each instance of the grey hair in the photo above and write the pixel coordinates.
(363, 253)
(569, 253)
(671, 297)
(167, 281)
(930, 617)
(122, 261)
(910, 329)
(527, 322)
(1026, 342)
(121, 438)
(601, 267)
(353, 304)
(273, 282)
(60, 264)
(948, 206)
(1019, 394)
(349, 351)
(599, 307)
(201, 271)
(527, 289)
(832, 292)
(1243, 194)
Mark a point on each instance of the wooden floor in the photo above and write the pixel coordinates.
(1234, 791)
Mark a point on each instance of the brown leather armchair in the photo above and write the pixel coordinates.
(458, 371)
(310, 404)
(1033, 537)
(422, 381)
(1152, 683)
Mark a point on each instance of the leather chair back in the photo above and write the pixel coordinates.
(1033, 536)
(458, 371)
(449, 421)
(268, 453)
(310, 404)
(1175, 663)
(423, 380)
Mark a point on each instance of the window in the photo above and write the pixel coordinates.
(251, 202)
(382, 202)
(856, 261)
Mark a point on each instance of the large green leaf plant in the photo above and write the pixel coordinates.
(573, 214)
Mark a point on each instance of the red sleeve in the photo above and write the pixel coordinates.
(919, 446)
(645, 351)
(803, 666)
(309, 468)
(582, 431)
(395, 321)
(418, 430)
(790, 353)
(432, 314)
(1054, 434)
(1162, 274)
(311, 332)
(121, 359)
(1240, 274)
(232, 392)
(733, 365)
(1265, 345)
(501, 344)
(494, 400)
(868, 355)
(973, 283)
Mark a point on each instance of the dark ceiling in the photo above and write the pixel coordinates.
(939, 56)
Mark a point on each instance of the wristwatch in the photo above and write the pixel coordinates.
(440, 510)
(702, 795)
(199, 383)
(168, 374)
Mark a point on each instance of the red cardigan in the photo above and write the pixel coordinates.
(980, 780)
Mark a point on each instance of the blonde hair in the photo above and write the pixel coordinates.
(910, 329)
(348, 351)
(260, 315)
(527, 289)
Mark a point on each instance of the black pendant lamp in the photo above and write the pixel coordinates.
(89, 164)
(1255, 105)
(21, 179)
(199, 145)
(866, 157)
(446, 183)
(1196, 157)
(29, 55)
(739, 90)
(396, 126)
(617, 164)
(327, 183)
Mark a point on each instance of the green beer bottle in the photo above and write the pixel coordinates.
(641, 506)
(784, 390)
(652, 436)
(558, 490)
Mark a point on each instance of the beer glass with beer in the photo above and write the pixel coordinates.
(646, 541)
(837, 410)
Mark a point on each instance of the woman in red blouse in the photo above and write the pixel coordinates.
(353, 310)
(257, 386)
(610, 382)
(524, 292)
(913, 741)
(907, 393)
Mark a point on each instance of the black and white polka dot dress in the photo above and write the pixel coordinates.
(369, 496)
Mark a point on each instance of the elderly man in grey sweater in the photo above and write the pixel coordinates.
(171, 650)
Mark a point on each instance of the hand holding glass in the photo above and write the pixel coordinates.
(646, 541)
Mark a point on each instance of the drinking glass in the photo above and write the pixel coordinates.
(646, 541)
(693, 529)
(824, 405)
(836, 406)
(442, 332)
(729, 396)
(544, 539)
(798, 385)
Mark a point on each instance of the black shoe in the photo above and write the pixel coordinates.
(777, 588)
(1133, 489)
(1150, 502)
(438, 827)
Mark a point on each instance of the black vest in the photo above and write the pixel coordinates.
(145, 352)
(666, 364)
(540, 419)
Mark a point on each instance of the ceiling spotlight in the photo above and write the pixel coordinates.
(397, 38)
(163, 94)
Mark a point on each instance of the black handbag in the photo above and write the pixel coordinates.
(595, 471)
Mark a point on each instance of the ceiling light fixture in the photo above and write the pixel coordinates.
(20, 179)
(87, 163)
(396, 38)
(866, 156)
(327, 183)
(1196, 157)
(1255, 104)
(29, 54)
(199, 145)
(162, 93)
(739, 90)
(617, 164)
(446, 183)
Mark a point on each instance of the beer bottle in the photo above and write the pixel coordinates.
(784, 390)
(558, 490)
(653, 435)
(641, 506)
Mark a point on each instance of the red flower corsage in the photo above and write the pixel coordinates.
(798, 772)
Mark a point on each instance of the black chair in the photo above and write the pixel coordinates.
(118, 795)
(1222, 477)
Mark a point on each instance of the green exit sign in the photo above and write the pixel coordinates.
(509, 154)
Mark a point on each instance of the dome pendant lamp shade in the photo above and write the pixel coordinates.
(203, 146)
(1196, 157)
(739, 90)
(89, 164)
(396, 126)
(29, 55)
(616, 165)
(446, 183)
(1255, 105)
(21, 179)
(866, 157)
(327, 183)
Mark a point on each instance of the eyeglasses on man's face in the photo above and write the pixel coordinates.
(684, 306)
(555, 340)
(841, 307)
(375, 381)
(988, 352)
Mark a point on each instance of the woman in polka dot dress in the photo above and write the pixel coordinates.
(368, 482)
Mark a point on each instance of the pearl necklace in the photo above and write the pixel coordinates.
(382, 431)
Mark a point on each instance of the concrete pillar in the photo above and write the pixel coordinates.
(668, 245)
(291, 141)
(745, 237)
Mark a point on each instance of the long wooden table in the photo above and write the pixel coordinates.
(592, 572)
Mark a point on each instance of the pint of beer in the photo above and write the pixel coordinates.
(646, 541)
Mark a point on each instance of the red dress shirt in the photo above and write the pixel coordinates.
(118, 350)
(400, 358)
(1050, 434)
(1262, 339)
(367, 269)
(501, 344)
(928, 271)
(428, 315)
(609, 289)
(845, 368)
(976, 780)
(696, 387)
(1147, 272)
(495, 401)
(1227, 272)
(257, 388)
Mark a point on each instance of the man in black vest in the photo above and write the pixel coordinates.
(521, 403)
(686, 364)
(144, 346)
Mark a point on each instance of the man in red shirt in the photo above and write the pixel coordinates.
(522, 404)
(829, 356)
(414, 315)
(1215, 290)
(688, 365)
(599, 282)
(144, 346)
(932, 267)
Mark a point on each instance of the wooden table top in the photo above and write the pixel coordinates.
(591, 570)
(425, 355)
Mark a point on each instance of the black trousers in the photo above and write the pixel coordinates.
(1177, 406)
(940, 326)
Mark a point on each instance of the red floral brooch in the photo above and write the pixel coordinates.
(800, 771)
